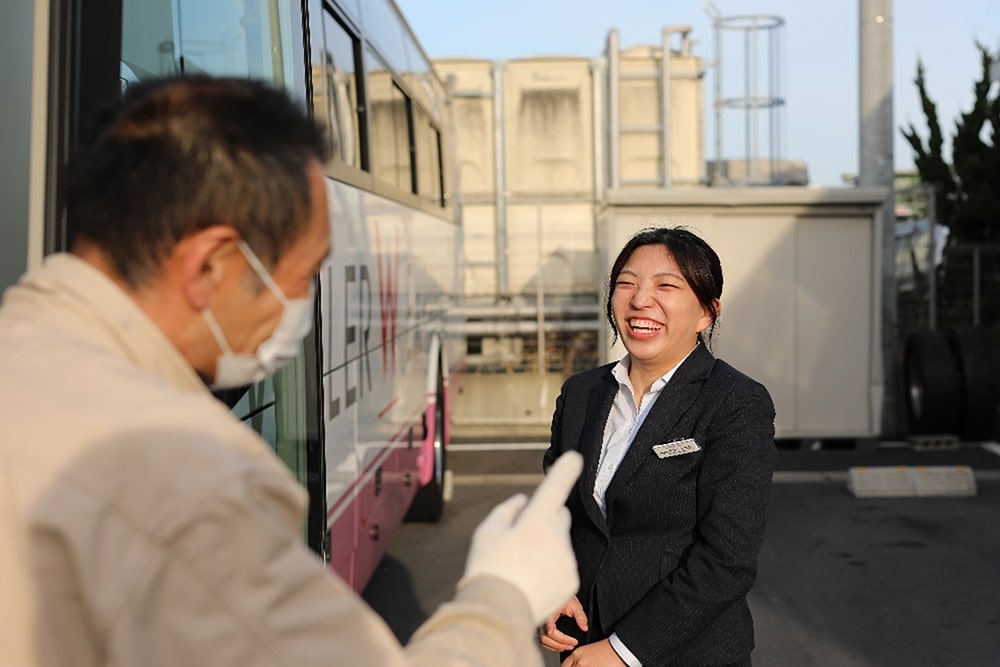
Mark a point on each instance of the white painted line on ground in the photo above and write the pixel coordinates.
(499, 479)
(497, 446)
(780, 477)
(992, 447)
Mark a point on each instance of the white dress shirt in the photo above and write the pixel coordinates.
(623, 423)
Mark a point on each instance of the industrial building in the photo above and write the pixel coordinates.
(563, 158)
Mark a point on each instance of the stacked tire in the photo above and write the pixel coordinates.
(949, 382)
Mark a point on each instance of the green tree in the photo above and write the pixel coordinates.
(968, 188)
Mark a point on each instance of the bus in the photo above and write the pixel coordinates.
(362, 416)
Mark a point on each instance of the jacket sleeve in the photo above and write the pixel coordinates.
(237, 586)
(719, 569)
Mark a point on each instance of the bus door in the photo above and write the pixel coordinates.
(63, 68)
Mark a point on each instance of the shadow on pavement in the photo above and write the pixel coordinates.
(394, 598)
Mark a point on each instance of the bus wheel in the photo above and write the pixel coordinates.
(428, 505)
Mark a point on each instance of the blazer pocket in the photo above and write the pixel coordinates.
(677, 467)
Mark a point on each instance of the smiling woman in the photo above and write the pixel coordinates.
(669, 513)
(661, 299)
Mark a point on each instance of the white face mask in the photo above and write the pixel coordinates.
(238, 370)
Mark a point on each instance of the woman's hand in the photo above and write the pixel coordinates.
(598, 654)
(555, 640)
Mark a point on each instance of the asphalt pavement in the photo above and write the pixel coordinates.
(842, 581)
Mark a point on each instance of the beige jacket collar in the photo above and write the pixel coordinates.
(108, 313)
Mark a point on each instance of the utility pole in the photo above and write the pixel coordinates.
(876, 168)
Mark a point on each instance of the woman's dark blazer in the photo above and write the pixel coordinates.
(670, 567)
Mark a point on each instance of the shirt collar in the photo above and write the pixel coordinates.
(620, 372)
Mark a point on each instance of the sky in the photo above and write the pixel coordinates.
(817, 59)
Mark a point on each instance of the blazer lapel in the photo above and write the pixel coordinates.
(673, 401)
(591, 440)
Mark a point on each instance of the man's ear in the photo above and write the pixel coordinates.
(201, 262)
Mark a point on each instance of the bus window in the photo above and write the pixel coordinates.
(335, 92)
(428, 157)
(390, 127)
(385, 30)
(230, 38)
(165, 37)
(148, 40)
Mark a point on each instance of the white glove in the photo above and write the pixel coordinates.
(527, 542)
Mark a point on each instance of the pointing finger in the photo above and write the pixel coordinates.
(555, 488)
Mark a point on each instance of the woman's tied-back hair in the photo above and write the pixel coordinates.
(181, 154)
(699, 265)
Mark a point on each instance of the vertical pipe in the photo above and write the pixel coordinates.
(598, 69)
(614, 117)
(717, 166)
(597, 82)
(451, 184)
(500, 179)
(748, 129)
(754, 102)
(779, 93)
(876, 168)
(667, 177)
(540, 294)
(774, 175)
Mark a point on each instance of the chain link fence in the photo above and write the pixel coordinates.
(964, 288)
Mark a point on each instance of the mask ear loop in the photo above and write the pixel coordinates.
(216, 330)
(262, 273)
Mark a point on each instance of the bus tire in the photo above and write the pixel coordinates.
(933, 385)
(970, 348)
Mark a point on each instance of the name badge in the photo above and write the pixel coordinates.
(676, 448)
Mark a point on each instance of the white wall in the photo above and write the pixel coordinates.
(801, 272)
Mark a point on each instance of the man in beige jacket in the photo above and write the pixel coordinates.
(140, 522)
